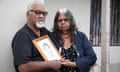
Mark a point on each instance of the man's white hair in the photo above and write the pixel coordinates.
(35, 2)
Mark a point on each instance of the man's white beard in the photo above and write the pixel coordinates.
(40, 24)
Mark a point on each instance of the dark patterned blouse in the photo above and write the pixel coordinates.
(71, 54)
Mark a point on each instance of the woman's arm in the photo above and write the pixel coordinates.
(87, 55)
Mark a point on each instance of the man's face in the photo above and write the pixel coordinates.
(37, 13)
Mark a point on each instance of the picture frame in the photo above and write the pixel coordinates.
(46, 48)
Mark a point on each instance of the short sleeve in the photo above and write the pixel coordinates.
(22, 48)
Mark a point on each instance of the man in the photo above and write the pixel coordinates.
(26, 57)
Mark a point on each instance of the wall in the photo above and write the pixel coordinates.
(114, 59)
(12, 18)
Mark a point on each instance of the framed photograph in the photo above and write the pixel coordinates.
(46, 48)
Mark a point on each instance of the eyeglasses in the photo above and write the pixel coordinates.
(65, 20)
(38, 12)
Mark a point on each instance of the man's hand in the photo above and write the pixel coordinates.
(56, 64)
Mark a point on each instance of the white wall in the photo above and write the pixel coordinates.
(114, 59)
(12, 18)
(114, 54)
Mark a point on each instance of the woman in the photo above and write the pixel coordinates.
(76, 50)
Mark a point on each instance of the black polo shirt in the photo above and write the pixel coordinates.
(23, 48)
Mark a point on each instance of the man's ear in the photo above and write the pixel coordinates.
(27, 13)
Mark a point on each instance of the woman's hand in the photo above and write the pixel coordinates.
(68, 63)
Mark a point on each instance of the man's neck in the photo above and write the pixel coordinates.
(34, 29)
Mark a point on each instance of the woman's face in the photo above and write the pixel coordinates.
(63, 22)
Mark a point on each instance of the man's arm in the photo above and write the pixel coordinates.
(36, 66)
